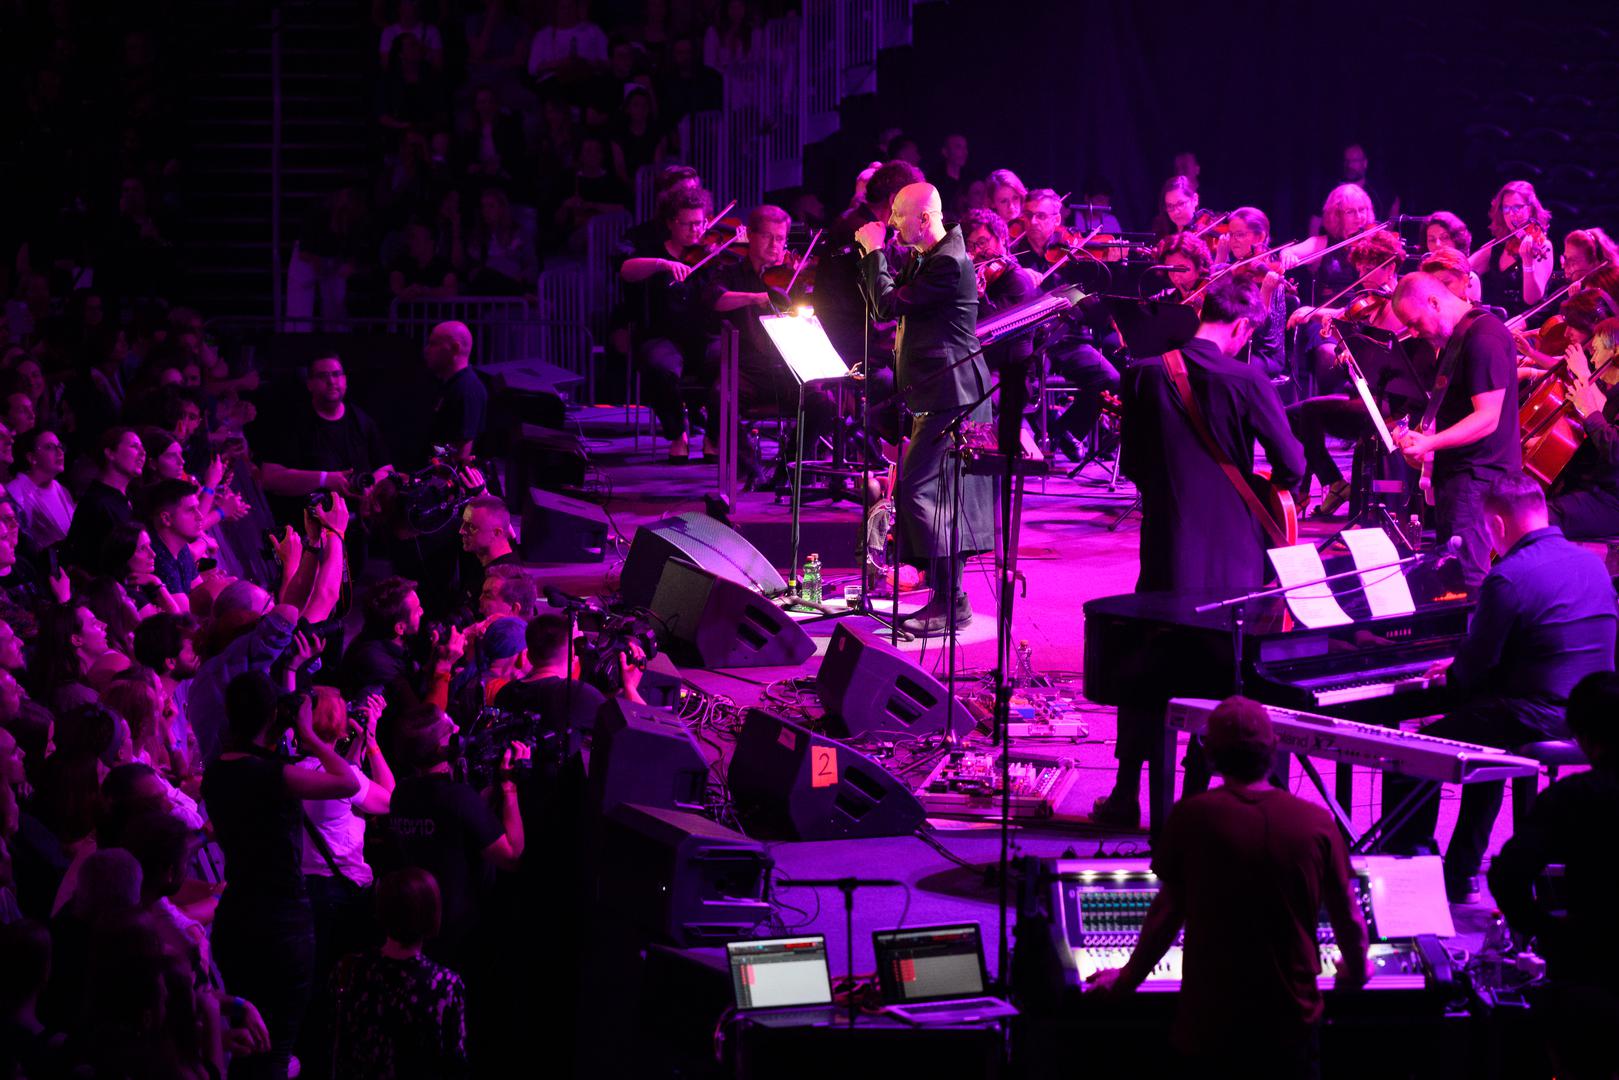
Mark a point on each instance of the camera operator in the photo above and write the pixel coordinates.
(544, 690)
(393, 651)
(448, 828)
(329, 445)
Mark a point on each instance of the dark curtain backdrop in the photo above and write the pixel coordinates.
(1266, 95)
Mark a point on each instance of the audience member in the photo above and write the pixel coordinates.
(43, 504)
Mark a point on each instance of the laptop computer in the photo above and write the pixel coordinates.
(935, 975)
(782, 982)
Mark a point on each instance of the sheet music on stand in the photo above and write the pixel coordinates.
(1387, 591)
(803, 344)
(1312, 605)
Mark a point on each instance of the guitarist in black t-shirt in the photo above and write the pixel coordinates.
(1470, 434)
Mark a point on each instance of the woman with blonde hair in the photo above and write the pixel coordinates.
(1516, 266)
(1347, 211)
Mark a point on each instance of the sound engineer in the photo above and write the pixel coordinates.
(1247, 868)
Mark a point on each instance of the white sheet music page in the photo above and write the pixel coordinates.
(1408, 896)
(1312, 605)
(1387, 591)
(805, 346)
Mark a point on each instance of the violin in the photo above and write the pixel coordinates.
(1210, 227)
(1070, 243)
(991, 269)
(1367, 308)
(1534, 234)
(1552, 337)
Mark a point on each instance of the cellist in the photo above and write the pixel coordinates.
(1584, 498)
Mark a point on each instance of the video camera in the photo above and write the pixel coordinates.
(433, 496)
(481, 748)
(607, 633)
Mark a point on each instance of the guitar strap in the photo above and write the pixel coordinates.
(1443, 370)
(1175, 364)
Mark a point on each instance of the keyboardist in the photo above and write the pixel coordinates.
(1546, 617)
(1247, 868)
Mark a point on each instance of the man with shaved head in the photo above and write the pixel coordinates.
(939, 374)
(461, 406)
(1474, 439)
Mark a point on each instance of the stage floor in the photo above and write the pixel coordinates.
(1070, 552)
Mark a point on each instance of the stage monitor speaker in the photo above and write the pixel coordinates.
(716, 623)
(868, 687)
(682, 877)
(544, 458)
(645, 755)
(698, 539)
(791, 783)
(557, 528)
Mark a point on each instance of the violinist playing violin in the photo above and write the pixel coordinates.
(748, 288)
(1185, 262)
(1516, 266)
(1003, 281)
(1042, 218)
(1584, 499)
(674, 328)
(1246, 238)
(1476, 438)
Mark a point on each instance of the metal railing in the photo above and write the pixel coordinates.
(505, 330)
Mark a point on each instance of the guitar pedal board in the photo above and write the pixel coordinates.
(967, 783)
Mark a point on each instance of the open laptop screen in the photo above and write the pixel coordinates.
(771, 972)
(929, 963)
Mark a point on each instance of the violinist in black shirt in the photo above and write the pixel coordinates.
(744, 294)
(674, 310)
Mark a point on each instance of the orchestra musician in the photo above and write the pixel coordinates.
(763, 380)
(1197, 533)
(940, 372)
(1515, 271)
(1248, 235)
(1185, 260)
(1476, 440)
(1444, 231)
(1346, 212)
(1006, 195)
(675, 324)
(1177, 207)
(1586, 251)
(1545, 619)
(1584, 500)
(1580, 315)
(1374, 260)
(1002, 281)
(1042, 214)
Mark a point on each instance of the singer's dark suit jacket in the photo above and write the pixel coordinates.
(935, 299)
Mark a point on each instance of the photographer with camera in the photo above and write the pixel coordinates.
(250, 631)
(446, 827)
(413, 663)
(264, 928)
(545, 690)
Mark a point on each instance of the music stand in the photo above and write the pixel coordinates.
(809, 355)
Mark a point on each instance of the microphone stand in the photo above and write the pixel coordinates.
(847, 886)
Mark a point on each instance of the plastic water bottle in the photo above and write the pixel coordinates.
(1023, 671)
(812, 580)
(1497, 943)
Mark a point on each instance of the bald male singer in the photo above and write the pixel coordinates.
(939, 373)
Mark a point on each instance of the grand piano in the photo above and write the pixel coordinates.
(1141, 649)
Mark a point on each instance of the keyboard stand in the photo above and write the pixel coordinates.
(1340, 800)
